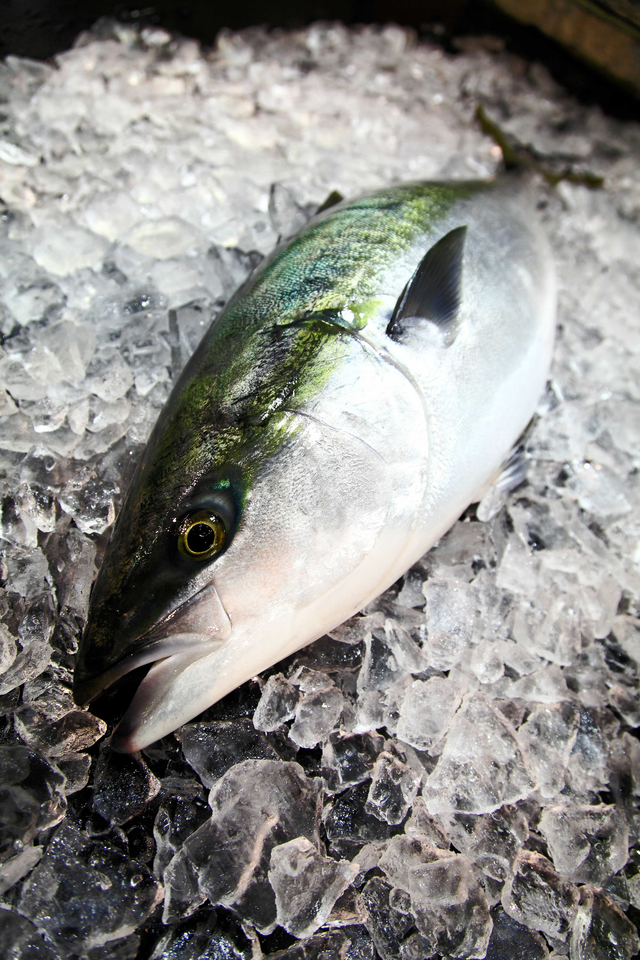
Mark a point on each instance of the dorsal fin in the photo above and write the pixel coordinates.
(434, 291)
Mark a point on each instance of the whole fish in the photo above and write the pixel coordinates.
(360, 390)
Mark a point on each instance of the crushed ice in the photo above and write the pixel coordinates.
(455, 772)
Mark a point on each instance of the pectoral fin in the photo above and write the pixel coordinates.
(512, 473)
(434, 291)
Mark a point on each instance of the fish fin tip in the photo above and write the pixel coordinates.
(434, 292)
(334, 197)
(512, 473)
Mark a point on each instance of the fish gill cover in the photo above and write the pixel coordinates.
(455, 772)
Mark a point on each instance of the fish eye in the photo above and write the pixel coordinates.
(201, 535)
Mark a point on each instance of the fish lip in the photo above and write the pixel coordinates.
(85, 691)
(157, 643)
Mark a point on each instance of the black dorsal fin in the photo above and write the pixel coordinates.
(434, 291)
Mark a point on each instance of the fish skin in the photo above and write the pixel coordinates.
(336, 455)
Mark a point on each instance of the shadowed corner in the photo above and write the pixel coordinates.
(112, 704)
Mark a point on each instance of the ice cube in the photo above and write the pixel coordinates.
(393, 787)
(124, 785)
(306, 884)
(538, 897)
(256, 805)
(547, 739)
(587, 843)
(87, 893)
(427, 710)
(451, 613)
(481, 766)
(212, 748)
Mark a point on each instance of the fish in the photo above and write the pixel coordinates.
(363, 387)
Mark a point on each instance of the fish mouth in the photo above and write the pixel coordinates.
(193, 629)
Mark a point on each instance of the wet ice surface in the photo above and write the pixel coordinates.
(455, 772)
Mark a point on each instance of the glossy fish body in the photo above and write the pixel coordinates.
(360, 390)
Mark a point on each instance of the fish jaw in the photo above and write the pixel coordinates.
(197, 627)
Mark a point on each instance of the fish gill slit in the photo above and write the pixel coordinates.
(386, 357)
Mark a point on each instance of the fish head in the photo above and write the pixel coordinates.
(240, 540)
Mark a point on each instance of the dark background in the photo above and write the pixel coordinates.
(42, 28)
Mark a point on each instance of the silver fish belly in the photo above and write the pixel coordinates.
(358, 393)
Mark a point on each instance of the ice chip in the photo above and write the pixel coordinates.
(177, 818)
(393, 787)
(547, 739)
(427, 710)
(108, 376)
(491, 840)
(212, 748)
(587, 843)
(451, 613)
(602, 929)
(349, 759)
(31, 799)
(67, 249)
(76, 730)
(481, 766)
(389, 927)
(20, 938)
(85, 893)
(124, 785)
(256, 805)
(277, 703)
(538, 898)
(306, 884)
(165, 237)
(511, 939)
(316, 715)
(450, 906)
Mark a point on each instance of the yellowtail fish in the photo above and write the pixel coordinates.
(353, 398)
